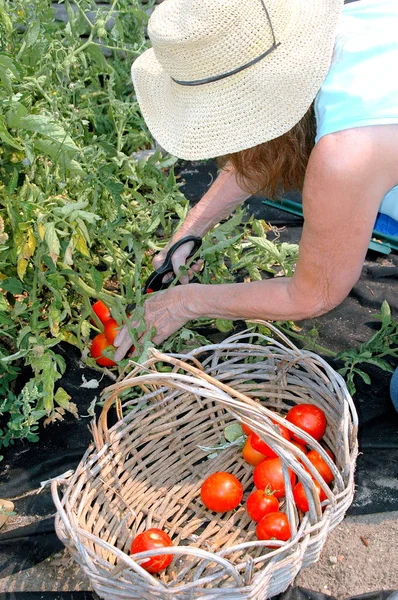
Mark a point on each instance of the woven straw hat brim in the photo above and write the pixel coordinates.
(249, 108)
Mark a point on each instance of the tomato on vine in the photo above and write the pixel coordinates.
(149, 540)
(111, 329)
(98, 345)
(102, 311)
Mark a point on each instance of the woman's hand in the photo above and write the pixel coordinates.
(165, 311)
(178, 260)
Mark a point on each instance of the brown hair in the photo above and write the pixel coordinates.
(279, 165)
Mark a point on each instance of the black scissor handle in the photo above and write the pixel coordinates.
(154, 281)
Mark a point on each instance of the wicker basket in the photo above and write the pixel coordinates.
(147, 469)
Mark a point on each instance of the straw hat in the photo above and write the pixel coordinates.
(226, 75)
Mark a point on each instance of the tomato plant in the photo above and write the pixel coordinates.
(152, 539)
(98, 345)
(274, 526)
(260, 503)
(309, 418)
(251, 455)
(259, 445)
(111, 329)
(300, 497)
(102, 311)
(221, 492)
(320, 464)
(269, 474)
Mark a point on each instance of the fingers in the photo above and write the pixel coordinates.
(123, 342)
(179, 259)
(159, 259)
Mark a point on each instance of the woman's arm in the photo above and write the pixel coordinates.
(223, 196)
(348, 175)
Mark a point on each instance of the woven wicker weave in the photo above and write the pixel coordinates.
(147, 469)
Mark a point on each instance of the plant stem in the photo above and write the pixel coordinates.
(308, 342)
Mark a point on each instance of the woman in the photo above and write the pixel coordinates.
(238, 79)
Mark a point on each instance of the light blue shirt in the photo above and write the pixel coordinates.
(361, 87)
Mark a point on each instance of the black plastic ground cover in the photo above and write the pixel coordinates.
(293, 593)
(63, 444)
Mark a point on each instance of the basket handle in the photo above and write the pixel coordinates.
(59, 506)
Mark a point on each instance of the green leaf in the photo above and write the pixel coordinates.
(13, 285)
(6, 137)
(32, 34)
(97, 279)
(220, 246)
(382, 364)
(363, 376)
(47, 127)
(14, 115)
(385, 312)
(62, 398)
(224, 325)
(233, 432)
(98, 58)
(52, 241)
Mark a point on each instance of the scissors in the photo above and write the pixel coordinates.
(155, 283)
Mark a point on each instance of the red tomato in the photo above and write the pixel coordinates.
(251, 455)
(260, 503)
(300, 497)
(111, 329)
(221, 492)
(149, 540)
(262, 447)
(299, 446)
(274, 526)
(323, 469)
(269, 474)
(102, 311)
(246, 429)
(98, 345)
(309, 418)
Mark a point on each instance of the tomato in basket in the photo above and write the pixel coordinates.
(261, 502)
(221, 492)
(300, 497)
(320, 464)
(274, 526)
(309, 418)
(259, 445)
(149, 540)
(251, 455)
(269, 474)
(246, 429)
